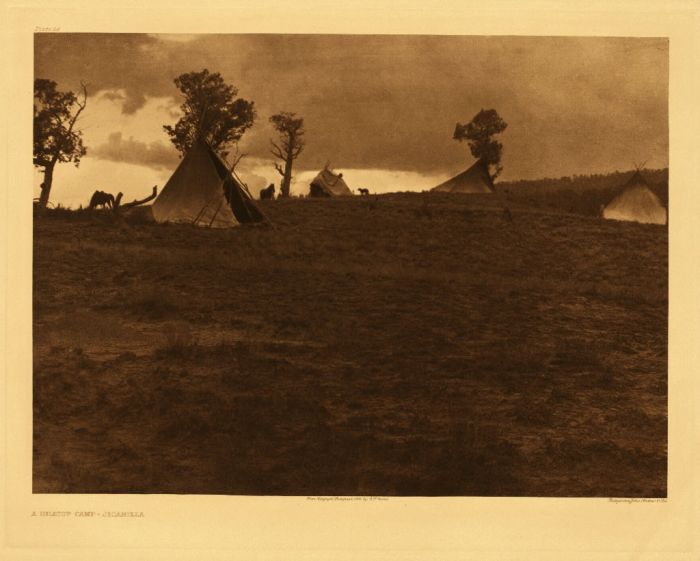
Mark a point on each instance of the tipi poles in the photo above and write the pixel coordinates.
(216, 213)
(199, 214)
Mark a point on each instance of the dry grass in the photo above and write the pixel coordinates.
(404, 344)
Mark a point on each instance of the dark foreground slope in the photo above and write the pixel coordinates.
(410, 345)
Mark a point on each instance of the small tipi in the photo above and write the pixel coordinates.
(476, 179)
(328, 184)
(202, 191)
(636, 202)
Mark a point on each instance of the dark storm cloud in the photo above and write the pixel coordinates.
(139, 65)
(113, 96)
(155, 155)
(573, 105)
(104, 61)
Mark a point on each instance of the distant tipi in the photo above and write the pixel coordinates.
(202, 191)
(476, 179)
(328, 184)
(636, 202)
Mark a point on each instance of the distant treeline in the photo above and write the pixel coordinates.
(581, 194)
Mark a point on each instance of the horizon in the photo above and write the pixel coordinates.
(381, 109)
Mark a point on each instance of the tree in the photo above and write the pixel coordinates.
(55, 137)
(479, 134)
(289, 146)
(210, 110)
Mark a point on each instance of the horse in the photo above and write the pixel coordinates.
(268, 192)
(363, 191)
(100, 198)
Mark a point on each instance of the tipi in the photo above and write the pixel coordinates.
(636, 202)
(328, 184)
(202, 191)
(475, 179)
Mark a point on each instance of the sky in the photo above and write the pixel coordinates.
(380, 109)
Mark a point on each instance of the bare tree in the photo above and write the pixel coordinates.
(290, 144)
(236, 158)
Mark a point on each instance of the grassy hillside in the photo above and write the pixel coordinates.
(413, 344)
(581, 194)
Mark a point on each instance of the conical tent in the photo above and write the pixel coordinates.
(328, 184)
(202, 191)
(636, 202)
(475, 179)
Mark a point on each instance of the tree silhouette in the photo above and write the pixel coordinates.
(55, 137)
(211, 111)
(290, 145)
(479, 133)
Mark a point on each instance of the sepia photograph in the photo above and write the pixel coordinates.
(351, 265)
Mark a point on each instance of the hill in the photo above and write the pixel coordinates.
(413, 344)
(580, 194)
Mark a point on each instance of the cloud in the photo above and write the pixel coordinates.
(573, 105)
(129, 103)
(139, 65)
(156, 155)
(133, 103)
(117, 95)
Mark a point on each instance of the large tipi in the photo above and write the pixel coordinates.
(328, 184)
(475, 179)
(202, 191)
(636, 202)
